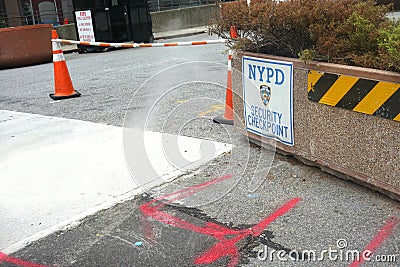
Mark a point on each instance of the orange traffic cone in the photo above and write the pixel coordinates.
(62, 81)
(227, 118)
(233, 32)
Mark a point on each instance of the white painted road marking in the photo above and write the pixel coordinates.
(54, 171)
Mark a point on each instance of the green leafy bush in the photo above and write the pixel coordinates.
(351, 32)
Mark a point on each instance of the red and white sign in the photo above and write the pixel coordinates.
(85, 26)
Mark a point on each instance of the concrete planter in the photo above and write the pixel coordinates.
(349, 144)
(25, 45)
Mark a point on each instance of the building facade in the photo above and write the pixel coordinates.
(27, 12)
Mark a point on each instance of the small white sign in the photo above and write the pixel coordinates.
(268, 98)
(85, 26)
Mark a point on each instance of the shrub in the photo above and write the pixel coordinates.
(351, 32)
(389, 46)
(3, 23)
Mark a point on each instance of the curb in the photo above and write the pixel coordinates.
(69, 51)
(180, 35)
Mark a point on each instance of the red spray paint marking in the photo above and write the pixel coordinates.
(225, 246)
(375, 243)
(147, 228)
(16, 261)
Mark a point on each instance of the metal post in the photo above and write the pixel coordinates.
(33, 12)
(56, 9)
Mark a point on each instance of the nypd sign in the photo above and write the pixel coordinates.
(268, 98)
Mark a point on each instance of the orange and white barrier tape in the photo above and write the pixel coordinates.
(136, 45)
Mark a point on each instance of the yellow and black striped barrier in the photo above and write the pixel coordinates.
(371, 97)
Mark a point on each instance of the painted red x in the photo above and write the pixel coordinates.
(225, 246)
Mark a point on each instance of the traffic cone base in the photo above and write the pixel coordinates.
(223, 120)
(60, 97)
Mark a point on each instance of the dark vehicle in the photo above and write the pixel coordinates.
(395, 3)
(114, 21)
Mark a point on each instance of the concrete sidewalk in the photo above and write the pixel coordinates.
(158, 36)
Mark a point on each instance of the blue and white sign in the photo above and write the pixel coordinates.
(268, 98)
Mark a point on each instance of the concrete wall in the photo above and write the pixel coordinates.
(351, 145)
(66, 31)
(182, 18)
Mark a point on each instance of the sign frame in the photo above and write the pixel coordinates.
(289, 108)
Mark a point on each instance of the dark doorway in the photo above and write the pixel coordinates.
(118, 20)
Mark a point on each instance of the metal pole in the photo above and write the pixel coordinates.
(56, 9)
(33, 12)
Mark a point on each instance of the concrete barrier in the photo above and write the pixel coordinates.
(351, 145)
(182, 18)
(25, 45)
(66, 31)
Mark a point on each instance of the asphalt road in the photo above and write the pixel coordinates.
(108, 81)
(242, 203)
